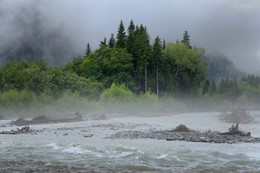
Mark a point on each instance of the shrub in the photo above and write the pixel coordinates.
(117, 93)
(17, 102)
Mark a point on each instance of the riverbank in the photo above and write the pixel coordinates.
(130, 130)
(85, 146)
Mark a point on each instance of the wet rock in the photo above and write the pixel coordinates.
(88, 135)
(20, 122)
(181, 128)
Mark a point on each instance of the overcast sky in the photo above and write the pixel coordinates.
(231, 27)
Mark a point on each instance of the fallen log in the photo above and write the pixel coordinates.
(23, 130)
(234, 130)
(48, 120)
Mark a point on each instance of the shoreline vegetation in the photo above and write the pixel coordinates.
(128, 73)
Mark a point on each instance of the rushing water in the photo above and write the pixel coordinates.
(65, 148)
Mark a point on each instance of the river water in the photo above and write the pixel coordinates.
(68, 147)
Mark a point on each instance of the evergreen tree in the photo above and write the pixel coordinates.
(103, 43)
(130, 42)
(164, 44)
(131, 27)
(186, 39)
(213, 88)
(112, 41)
(142, 55)
(87, 51)
(121, 36)
(206, 87)
(155, 62)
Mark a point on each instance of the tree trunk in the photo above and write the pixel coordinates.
(157, 81)
(145, 78)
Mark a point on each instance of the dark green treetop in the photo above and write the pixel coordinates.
(112, 41)
(186, 39)
(121, 36)
(87, 51)
(103, 43)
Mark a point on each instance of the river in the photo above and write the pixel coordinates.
(70, 147)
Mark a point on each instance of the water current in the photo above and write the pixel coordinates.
(66, 147)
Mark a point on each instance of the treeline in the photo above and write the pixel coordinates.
(174, 69)
(128, 67)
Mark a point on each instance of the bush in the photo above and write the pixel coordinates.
(17, 102)
(117, 93)
(72, 102)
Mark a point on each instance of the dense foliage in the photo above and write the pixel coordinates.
(128, 69)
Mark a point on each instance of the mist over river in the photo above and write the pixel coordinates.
(85, 147)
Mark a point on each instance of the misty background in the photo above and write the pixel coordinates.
(59, 30)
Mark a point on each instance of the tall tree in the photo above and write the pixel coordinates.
(103, 43)
(87, 51)
(143, 53)
(121, 36)
(164, 44)
(155, 60)
(130, 42)
(213, 88)
(109, 65)
(186, 39)
(185, 69)
(112, 41)
(206, 87)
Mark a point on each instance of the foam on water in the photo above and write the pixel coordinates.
(54, 152)
(53, 146)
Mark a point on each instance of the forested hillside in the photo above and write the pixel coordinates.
(127, 67)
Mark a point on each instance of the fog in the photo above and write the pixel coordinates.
(61, 29)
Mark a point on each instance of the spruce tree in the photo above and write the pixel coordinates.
(186, 39)
(121, 36)
(130, 42)
(87, 51)
(112, 41)
(143, 53)
(206, 87)
(213, 88)
(155, 62)
(103, 43)
(164, 44)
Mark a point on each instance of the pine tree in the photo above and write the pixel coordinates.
(121, 36)
(87, 51)
(103, 43)
(112, 41)
(131, 27)
(213, 88)
(155, 61)
(186, 39)
(130, 42)
(164, 44)
(143, 53)
(206, 87)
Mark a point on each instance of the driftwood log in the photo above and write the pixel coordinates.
(47, 120)
(22, 130)
(234, 130)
